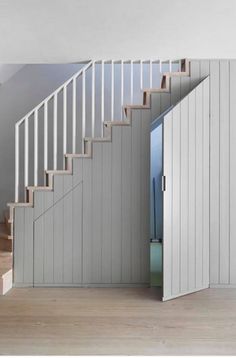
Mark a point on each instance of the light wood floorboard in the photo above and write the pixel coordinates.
(116, 321)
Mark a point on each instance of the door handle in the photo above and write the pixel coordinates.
(163, 183)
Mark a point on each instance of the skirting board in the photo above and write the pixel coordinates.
(222, 286)
(92, 285)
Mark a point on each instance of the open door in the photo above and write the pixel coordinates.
(186, 195)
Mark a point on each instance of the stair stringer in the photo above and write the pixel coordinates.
(26, 210)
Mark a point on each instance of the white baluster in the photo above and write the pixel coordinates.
(74, 116)
(102, 97)
(122, 87)
(17, 159)
(36, 147)
(26, 121)
(54, 97)
(55, 132)
(93, 99)
(180, 66)
(160, 72)
(112, 90)
(45, 135)
(150, 73)
(131, 82)
(26, 150)
(83, 109)
(141, 75)
(64, 123)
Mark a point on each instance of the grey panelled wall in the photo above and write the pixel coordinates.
(186, 196)
(222, 185)
(222, 161)
(93, 229)
(223, 173)
(222, 168)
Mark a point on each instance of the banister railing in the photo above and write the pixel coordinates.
(76, 109)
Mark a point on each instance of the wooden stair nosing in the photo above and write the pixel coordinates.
(117, 123)
(5, 236)
(58, 172)
(97, 139)
(33, 188)
(74, 155)
(12, 205)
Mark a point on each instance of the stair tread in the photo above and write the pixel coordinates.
(4, 253)
(38, 188)
(97, 139)
(23, 204)
(58, 171)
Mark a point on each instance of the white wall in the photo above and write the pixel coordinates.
(18, 96)
(65, 31)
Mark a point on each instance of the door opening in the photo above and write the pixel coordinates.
(156, 201)
(179, 196)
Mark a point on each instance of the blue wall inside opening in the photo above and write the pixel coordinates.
(156, 217)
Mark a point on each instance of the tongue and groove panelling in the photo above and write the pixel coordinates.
(108, 258)
(222, 160)
(94, 228)
(222, 167)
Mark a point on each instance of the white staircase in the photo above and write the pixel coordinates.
(65, 126)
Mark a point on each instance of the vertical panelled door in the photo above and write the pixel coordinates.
(186, 195)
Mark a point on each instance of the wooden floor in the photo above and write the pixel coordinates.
(116, 321)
